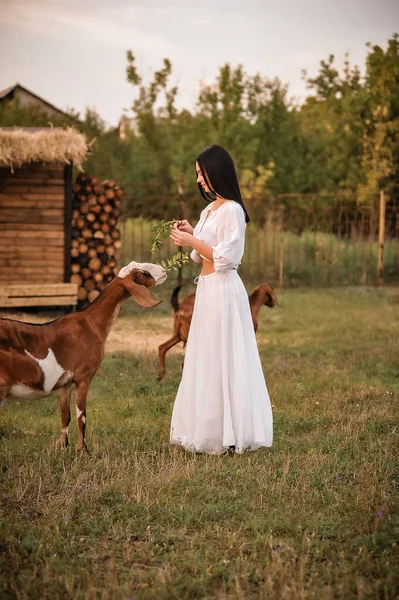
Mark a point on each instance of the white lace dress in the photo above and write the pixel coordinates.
(222, 400)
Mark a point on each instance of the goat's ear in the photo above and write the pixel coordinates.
(140, 293)
(271, 298)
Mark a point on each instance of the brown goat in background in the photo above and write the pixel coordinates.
(262, 295)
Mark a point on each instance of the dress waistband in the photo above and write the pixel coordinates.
(211, 275)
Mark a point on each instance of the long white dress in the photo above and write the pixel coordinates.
(222, 400)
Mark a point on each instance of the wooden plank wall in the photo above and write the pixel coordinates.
(32, 203)
(45, 294)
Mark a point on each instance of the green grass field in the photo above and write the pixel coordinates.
(314, 517)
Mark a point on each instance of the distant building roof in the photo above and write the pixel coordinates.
(7, 91)
(29, 98)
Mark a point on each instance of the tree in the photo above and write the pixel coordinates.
(381, 137)
(155, 120)
(332, 122)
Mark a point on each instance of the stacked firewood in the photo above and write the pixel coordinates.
(96, 243)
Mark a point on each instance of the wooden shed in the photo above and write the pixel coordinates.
(36, 214)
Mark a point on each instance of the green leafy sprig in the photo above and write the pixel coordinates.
(161, 230)
(178, 260)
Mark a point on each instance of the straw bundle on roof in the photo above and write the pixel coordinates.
(19, 146)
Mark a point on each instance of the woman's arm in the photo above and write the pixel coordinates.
(182, 238)
(205, 250)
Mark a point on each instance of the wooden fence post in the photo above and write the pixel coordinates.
(381, 239)
(281, 263)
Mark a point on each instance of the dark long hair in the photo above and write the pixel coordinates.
(218, 170)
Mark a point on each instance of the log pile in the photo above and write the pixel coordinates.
(96, 243)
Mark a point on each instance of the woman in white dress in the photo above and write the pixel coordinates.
(222, 404)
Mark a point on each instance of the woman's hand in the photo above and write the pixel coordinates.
(183, 226)
(182, 238)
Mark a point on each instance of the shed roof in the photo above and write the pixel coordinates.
(41, 144)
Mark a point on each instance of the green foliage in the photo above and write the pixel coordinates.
(381, 140)
(12, 114)
(162, 230)
(159, 231)
(178, 260)
(354, 122)
(333, 125)
(343, 138)
(155, 122)
(254, 185)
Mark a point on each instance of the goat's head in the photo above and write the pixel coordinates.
(267, 294)
(158, 273)
(137, 277)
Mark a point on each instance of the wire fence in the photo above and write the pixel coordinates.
(292, 240)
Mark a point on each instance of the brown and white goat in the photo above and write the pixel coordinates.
(36, 360)
(262, 295)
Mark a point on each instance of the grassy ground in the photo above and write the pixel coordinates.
(313, 517)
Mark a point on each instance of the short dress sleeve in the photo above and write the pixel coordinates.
(228, 252)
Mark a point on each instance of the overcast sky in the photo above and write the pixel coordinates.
(73, 53)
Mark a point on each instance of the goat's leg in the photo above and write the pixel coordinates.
(5, 385)
(4, 388)
(81, 395)
(65, 402)
(162, 350)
